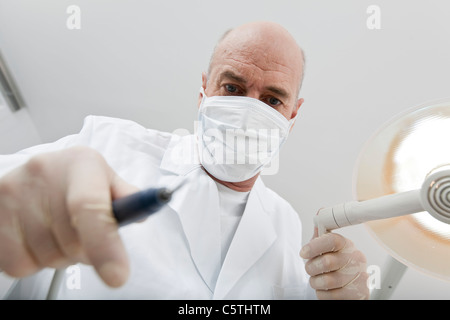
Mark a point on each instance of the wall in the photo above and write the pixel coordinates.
(16, 129)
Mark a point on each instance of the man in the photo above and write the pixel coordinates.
(224, 235)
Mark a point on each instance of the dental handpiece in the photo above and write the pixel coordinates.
(140, 205)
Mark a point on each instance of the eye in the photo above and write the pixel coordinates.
(274, 101)
(231, 88)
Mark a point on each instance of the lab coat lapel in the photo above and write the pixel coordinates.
(197, 205)
(198, 209)
(181, 156)
(254, 236)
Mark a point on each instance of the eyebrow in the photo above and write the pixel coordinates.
(232, 76)
(278, 91)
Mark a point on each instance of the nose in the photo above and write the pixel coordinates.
(255, 94)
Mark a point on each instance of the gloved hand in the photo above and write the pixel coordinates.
(336, 267)
(55, 210)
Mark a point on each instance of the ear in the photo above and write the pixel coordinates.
(295, 111)
(204, 82)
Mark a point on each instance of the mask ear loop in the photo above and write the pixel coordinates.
(291, 122)
(202, 91)
(204, 97)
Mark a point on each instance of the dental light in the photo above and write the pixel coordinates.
(402, 186)
(433, 197)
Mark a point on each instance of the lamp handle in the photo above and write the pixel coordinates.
(434, 197)
(356, 212)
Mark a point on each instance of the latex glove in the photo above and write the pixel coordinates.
(336, 267)
(55, 210)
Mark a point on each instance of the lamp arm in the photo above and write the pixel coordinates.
(433, 197)
(356, 212)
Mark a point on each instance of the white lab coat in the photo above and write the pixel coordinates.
(175, 254)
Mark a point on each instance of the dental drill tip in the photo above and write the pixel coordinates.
(165, 194)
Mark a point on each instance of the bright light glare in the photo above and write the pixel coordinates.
(425, 147)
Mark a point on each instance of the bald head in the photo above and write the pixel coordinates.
(263, 42)
(258, 60)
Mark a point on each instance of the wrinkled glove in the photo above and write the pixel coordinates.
(336, 267)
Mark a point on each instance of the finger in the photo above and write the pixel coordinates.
(64, 232)
(46, 225)
(332, 280)
(120, 188)
(355, 290)
(89, 203)
(15, 258)
(316, 228)
(36, 223)
(316, 233)
(63, 229)
(326, 263)
(329, 242)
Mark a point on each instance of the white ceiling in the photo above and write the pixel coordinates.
(142, 60)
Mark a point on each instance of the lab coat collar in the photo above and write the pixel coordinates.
(200, 218)
(181, 156)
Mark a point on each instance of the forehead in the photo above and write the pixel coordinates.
(259, 65)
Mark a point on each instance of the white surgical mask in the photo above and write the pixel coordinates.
(238, 136)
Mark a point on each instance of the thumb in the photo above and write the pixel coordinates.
(316, 232)
(120, 188)
(316, 228)
(304, 252)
